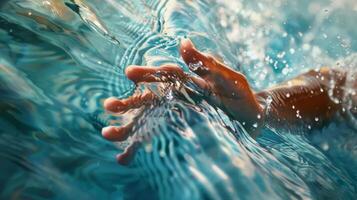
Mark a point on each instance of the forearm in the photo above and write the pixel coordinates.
(312, 99)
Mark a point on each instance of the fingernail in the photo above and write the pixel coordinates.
(106, 131)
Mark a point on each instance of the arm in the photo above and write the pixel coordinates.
(311, 99)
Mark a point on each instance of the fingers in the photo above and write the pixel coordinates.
(147, 74)
(127, 156)
(116, 133)
(164, 73)
(198, 62)
(201, 83)
(113, 133)
(121, 105)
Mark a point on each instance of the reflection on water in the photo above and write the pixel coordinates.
(60, 59)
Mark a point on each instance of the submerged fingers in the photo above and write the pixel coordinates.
(127, 156)
(117, 133)
(164, 73)
(147, 74)
(115, 105)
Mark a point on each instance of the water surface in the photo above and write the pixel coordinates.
(60, 59)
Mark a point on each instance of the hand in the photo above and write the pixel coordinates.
(223, 88)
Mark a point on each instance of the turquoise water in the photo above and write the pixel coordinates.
(60, 59)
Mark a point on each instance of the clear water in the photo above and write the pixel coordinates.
(58, 63)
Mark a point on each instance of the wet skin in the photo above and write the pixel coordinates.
(309, 99)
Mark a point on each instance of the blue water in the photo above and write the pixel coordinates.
(60, 59)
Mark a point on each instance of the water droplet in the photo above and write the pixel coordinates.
(285, 71)
(162, 153)
(306, 47)
(195, 66)
(298, 114)
(148, 148)
(316, 119)
(258, 116)
(292, 51)
(281, 54)
(236, 82)
(255, 125)
(325, 146)
(288, 95)
(269, 99)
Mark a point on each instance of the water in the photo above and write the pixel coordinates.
(60, 59)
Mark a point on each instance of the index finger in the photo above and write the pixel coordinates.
(164, 73)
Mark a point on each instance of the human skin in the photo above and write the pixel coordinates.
(308, 100)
